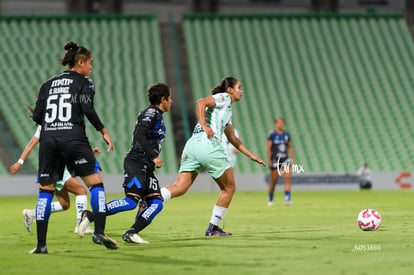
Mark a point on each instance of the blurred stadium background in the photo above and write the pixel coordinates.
(340, 72)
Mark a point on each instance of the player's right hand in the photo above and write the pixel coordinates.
(158, 162)
(209, 132)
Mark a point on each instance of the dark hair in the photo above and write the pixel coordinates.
(225, 83)
(157, 91)
(73, 53)
(279, 117)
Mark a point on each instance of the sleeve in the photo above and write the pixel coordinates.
(88, 92)
(270, 136)
(37, 133)
(222, 100)
(146, 123)
(39, 109)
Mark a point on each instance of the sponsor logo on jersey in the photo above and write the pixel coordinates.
(61, 82)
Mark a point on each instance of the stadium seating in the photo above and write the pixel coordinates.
(341, 82)
(127, 59)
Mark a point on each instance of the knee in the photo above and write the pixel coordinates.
(82, 191)
(230, 189)
(65, 205)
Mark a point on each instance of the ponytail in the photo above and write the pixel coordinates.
(227, 82)
(73, 53)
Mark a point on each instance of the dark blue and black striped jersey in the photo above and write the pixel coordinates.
(280, 143)
(64, 100)
(148, 135)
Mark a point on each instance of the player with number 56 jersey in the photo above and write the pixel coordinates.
(63, 102)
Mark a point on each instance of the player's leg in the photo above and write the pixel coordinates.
(43, 211)
(274, 177)
(154, 207)
(133, 185)
(51, 166)
(188, 171)
(97, 201)
(115, 206)
(62, 203)
(182, 184)
(86, 169)
(145, 185)
(73, 186)
(227, 185)
(287, 176)
(133, 190)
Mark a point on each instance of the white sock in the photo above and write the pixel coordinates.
(56, 206)
(81, 205)
(218, 215)
(166, 194)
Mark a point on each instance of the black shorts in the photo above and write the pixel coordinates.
(139, 178)
(280, 163)
(55, 153)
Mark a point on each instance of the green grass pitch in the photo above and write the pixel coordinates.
(318, 234)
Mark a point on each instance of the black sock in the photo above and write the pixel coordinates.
(139, 225)
(41, 233)
(100, 220)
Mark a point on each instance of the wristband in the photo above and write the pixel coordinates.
(20, 161)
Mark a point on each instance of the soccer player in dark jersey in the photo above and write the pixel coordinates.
(63, 102)
(280, 156)
(140, 183)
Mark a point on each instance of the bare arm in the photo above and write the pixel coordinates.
(107, 139)
(269, 151)
(13, 169)
(291, 152)
(201, 106)
(229, 131)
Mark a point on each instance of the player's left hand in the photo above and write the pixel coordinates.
(258, 160)
(96, 150)
(108, 141)
(15, 168)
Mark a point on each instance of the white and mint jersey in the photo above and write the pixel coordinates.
(217, 117)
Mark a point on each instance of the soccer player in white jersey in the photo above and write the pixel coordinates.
(67, 184)
(204, 151)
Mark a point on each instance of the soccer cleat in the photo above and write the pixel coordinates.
(39, 250)
(29, 216)
(270, 203)
(86, 219)
(87, 231)
(105, 240)
(287, 203)
(217, 232)
(133, 238)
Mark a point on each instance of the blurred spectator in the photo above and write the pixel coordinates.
(364, 174)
